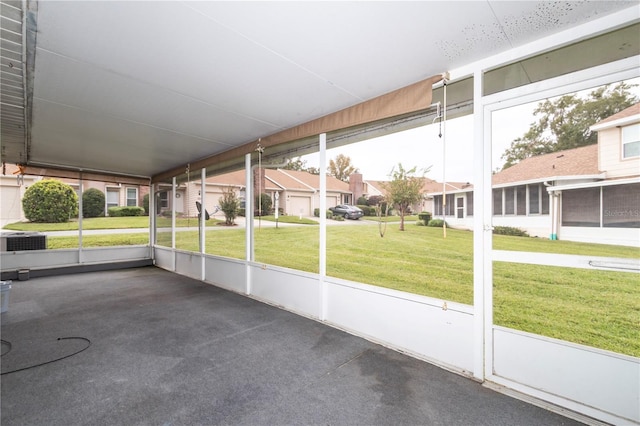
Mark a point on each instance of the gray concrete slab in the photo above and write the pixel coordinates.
(169, 350)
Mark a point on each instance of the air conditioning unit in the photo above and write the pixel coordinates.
(20, 241)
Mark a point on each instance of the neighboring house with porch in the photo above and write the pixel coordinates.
(429, 203)
(588, 194)
(118, 192)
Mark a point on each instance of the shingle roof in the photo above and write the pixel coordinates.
(628, 112)
(313, 181)
(571, 162)
(236, 178)
(283, 179)
(286, 181)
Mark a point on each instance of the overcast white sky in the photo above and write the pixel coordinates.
(422, 148)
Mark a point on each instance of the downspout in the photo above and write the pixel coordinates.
(555, 211)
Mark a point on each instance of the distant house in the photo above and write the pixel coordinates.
(13, 186)
(589, 194)
(298, 192)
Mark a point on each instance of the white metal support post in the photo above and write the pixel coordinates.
(482, 236)
(173, 221)
(248, 215)
(203, 215)
(322, 255)
(153, 224)
(80, 208)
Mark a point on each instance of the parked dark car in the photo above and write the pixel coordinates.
(347, 211)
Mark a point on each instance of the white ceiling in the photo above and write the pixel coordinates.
(139, 88)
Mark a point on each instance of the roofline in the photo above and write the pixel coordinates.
(616, 123)
(599, 176)
(297, 180)
(235, 185)
(274, 182)
(610, 182)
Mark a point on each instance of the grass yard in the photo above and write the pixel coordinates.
(104, 223)
(592, 307)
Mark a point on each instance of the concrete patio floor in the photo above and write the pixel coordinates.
(157, 348)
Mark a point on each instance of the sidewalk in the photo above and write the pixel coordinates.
(240, 223)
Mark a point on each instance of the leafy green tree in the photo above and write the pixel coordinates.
(145, 204)
(301, 165)
(230, 206)
(564, 122)
(50, 201)
(296, 164)
(341, 168)
(93, 201)
(404, 190)
(263, 204)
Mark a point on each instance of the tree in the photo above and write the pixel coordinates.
(230, 205)
(50, 201)
(564, 122)
(301, 165)
(341, 167)
(404, 190)
(93, 203)
(263, 205)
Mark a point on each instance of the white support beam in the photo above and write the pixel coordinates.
(323, 226)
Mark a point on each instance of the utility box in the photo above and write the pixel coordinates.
(21, 241)
(5, 286)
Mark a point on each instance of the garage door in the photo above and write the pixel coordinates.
(11, 205)
(300, 206)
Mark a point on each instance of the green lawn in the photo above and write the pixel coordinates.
(597, 308)
(104, 223)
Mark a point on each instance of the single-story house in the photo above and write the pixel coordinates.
(118, 191)
(297, 192)
(588, 194)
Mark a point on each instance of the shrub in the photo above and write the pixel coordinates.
(50, 201)
(266, 205)
(93, 203)
(316, 212)
(436, 223)
(374, 200)
(125, 211)
(367, 210)
(509, 230)
(230, 206)
(362, 201)
(424, 217)
(145, 204)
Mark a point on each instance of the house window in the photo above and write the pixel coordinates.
(450, 207)
(521, 200)
(469, 203)
(621, 206)
(113, 198)
(437, 205)
(460, 207)
(581, 207)
(163, 200)
(534, 199)
(497, 202)
(132, 196)
(509, 201)
(631, 141)
(544, 200)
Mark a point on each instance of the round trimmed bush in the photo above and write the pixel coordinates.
(50, 201)
(93, 203)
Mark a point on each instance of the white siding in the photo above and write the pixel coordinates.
(610, 155)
